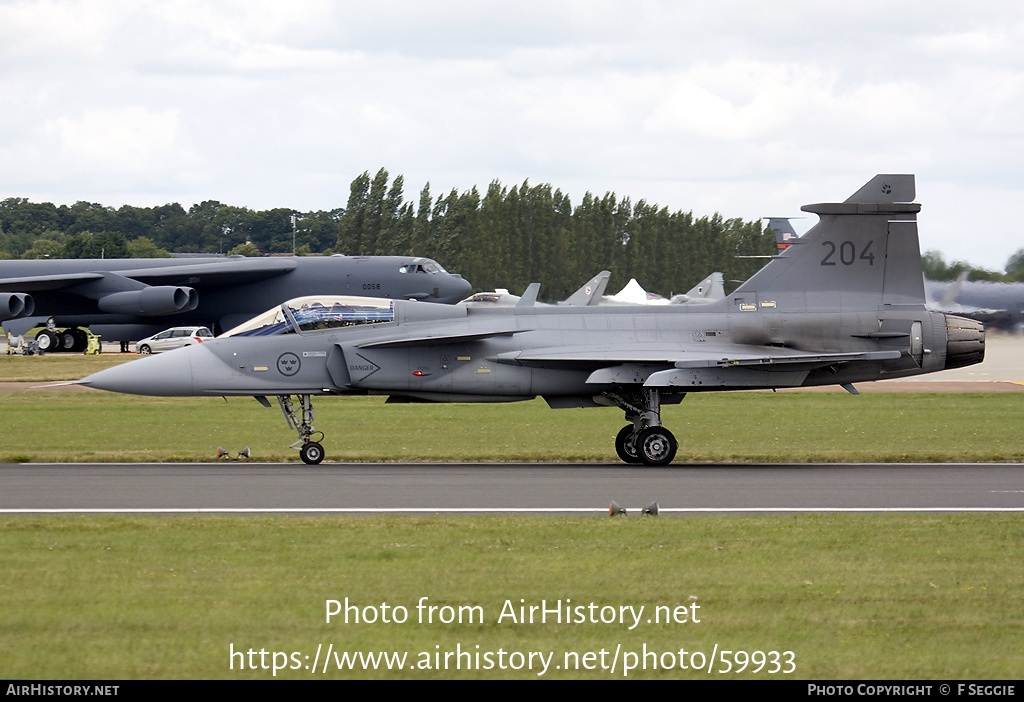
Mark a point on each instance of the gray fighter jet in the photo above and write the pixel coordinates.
(128, 299)
(843, 304)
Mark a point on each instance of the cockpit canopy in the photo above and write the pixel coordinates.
(317, 312)
(422, 265)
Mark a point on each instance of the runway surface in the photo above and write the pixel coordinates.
(547, 488)
(564, 488)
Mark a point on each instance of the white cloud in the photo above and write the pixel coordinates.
(50, 31)
(121, 141)
(740, 107)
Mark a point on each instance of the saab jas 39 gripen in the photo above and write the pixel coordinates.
(843, 304)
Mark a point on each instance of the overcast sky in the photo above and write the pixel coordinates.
(746, 108)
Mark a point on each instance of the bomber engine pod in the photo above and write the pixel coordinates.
(841, 305)
(14, 305)
(153, 301)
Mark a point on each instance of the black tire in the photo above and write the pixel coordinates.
(145, 350)
(48, 341)
(625, 447)
(80, 340)
(311, 453)
(656, 446)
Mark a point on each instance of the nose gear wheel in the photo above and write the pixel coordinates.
(311, 452)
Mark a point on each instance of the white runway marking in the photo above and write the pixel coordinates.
(482, 510)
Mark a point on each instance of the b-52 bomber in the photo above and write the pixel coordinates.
(130, 298)
(843, 304)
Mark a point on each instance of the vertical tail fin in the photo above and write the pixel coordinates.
(590, 293)
(863, 253)
(711, 289)
(784, 232)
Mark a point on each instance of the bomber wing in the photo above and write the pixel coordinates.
(228, 272)
(38, 283)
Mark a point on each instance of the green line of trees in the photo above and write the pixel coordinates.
(92, 230)
(505, 236)
(512, 236)
(936, 268)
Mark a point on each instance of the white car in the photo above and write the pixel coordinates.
(173, 338)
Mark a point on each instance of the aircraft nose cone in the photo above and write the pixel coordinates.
(166, 374)
(457, 289)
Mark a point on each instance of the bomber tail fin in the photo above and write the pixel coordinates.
(863, 253)
(784, 232)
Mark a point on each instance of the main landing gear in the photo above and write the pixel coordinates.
(52, 339)
(644, 440)
(310, 451)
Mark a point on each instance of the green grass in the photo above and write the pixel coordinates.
(729, 426)
(852, 596)
(746, 426)
(56, 366)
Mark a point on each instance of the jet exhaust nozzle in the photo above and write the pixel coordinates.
(14, 305)
(965, 342)
(153, 301)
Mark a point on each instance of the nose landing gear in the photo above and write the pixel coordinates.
(311, 452)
